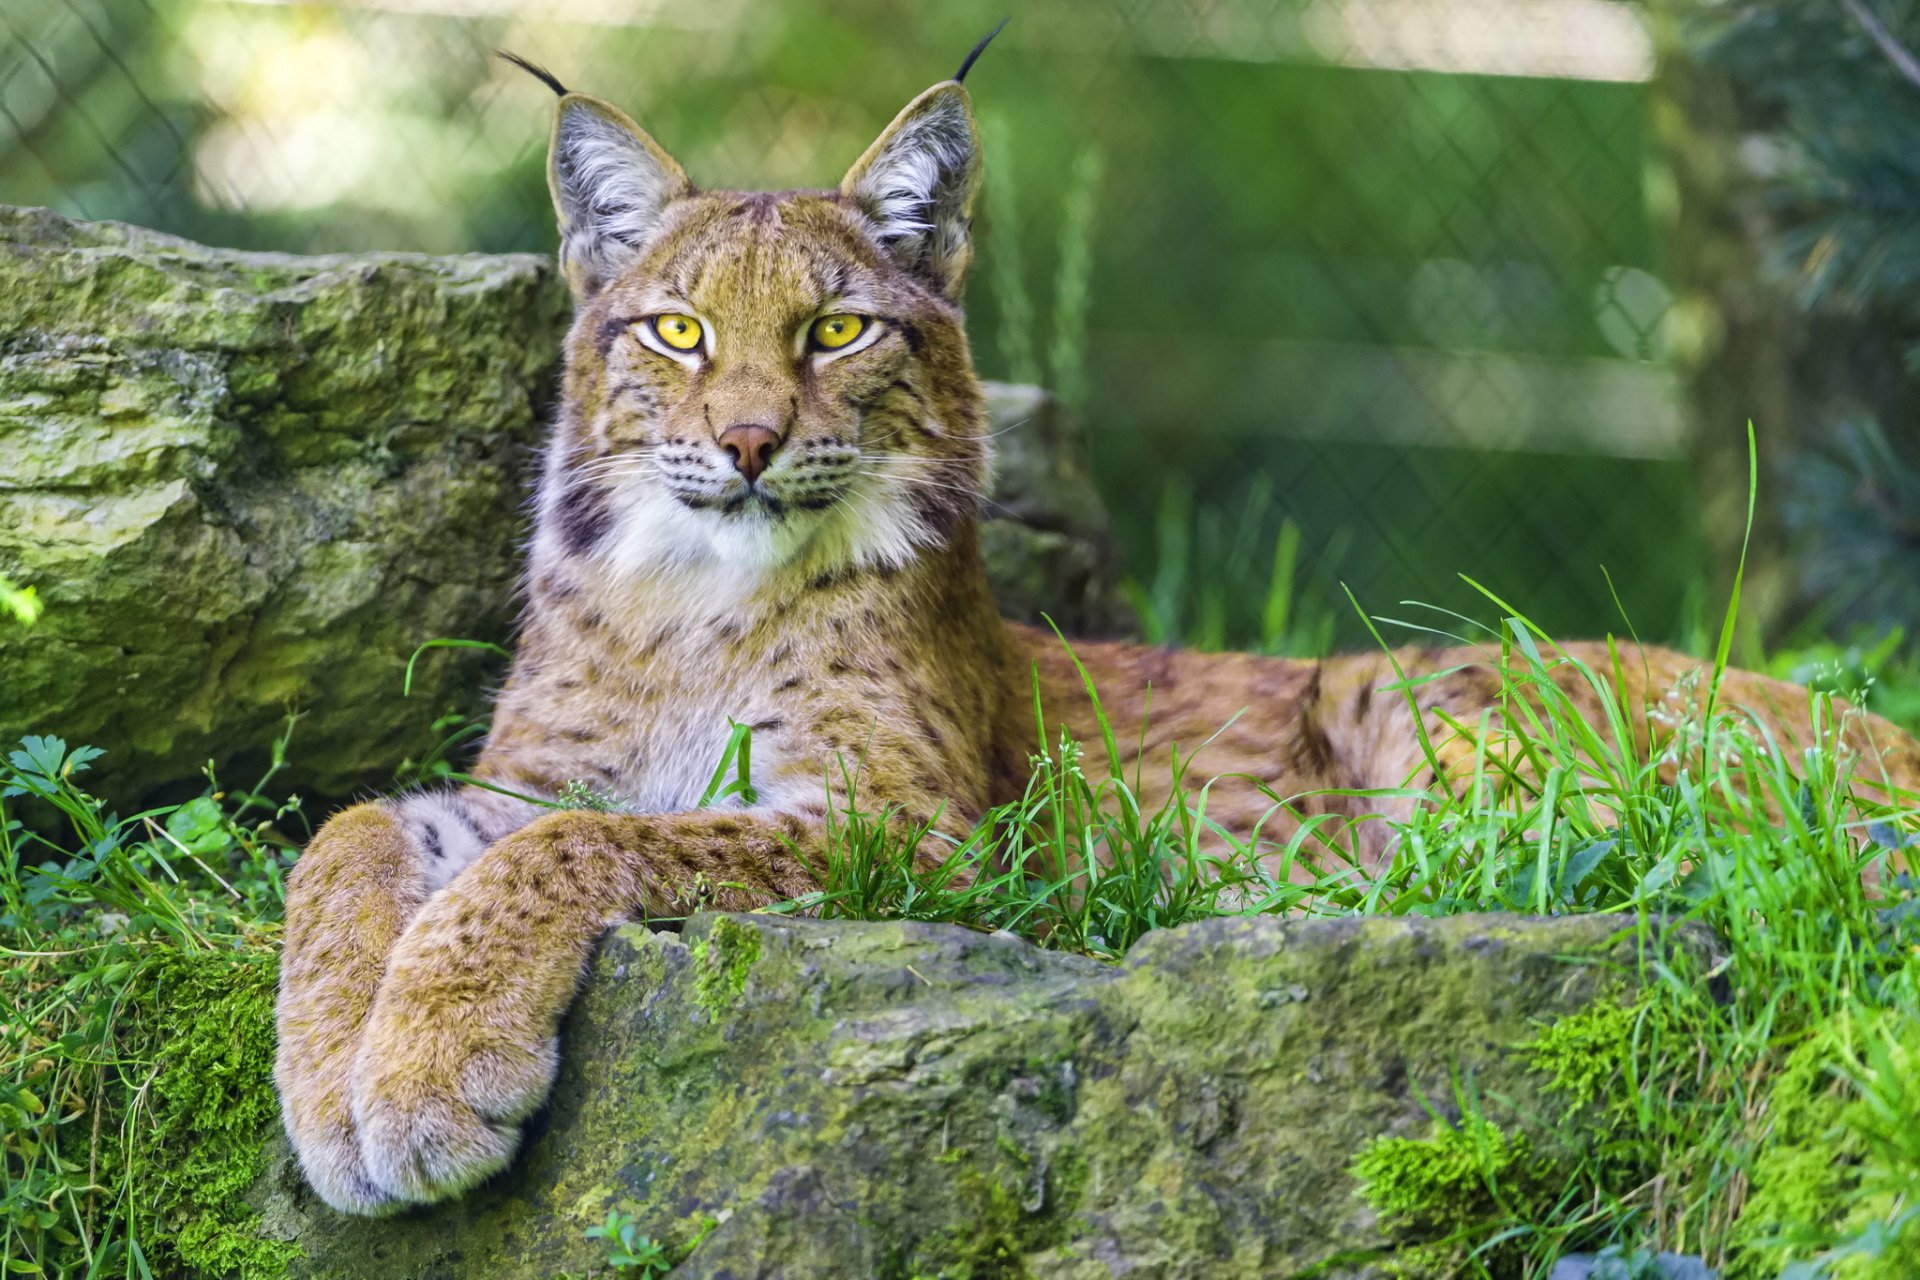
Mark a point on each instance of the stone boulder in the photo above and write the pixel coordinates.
(780, 1098)
(1046, 533)
(246, 483)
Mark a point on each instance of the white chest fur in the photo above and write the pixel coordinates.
(681, 687)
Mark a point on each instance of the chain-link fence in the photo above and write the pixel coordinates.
(1380, 271)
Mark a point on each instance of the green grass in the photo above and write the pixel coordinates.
(1222, 581)
(138, 974)
(1757, 1110)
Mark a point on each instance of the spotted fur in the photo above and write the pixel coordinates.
(836, 604)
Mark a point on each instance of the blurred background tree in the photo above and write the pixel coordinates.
(1373, 292)
(1795, 134)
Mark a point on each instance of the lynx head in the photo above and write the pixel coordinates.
(758, 382)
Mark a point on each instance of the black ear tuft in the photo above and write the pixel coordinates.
(543, 75)
(973, 57)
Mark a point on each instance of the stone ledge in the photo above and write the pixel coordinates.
(908, 1099)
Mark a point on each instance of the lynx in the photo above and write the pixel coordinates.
(758, 506)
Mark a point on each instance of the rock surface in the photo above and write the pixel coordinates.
(249, 483)
(1046, 533)
(901, 1100)
(246, 483)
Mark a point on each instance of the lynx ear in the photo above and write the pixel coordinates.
(917, 183)
(611, 183)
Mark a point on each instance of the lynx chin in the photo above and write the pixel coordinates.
(759, 504)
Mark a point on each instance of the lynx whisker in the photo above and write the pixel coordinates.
(622, 468)
(987, 504)
(979, 437)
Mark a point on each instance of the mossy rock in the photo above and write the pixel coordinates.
(246, 484)
(787, 1098)
(1046, 536)
(250, 483)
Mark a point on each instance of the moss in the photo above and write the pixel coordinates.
(1441, 1196)
(998, 1234)
(992, 1235)
(721, 962)
(1814, 1178)
(1438, 1196)
(1586, 1056)
(206, 1029)
(248, 482)
(1808, 1172)
(910, 1101)
(1807, 1180)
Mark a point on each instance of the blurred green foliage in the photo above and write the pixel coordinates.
(1824, 99)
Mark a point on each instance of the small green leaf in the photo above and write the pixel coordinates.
(199, 825)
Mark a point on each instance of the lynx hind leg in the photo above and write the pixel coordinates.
(1364, 711)
(348, 898)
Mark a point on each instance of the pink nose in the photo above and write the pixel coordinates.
(751, 446)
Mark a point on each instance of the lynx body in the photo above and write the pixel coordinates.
(758, 506)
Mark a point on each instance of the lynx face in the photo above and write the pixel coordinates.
(763, 382)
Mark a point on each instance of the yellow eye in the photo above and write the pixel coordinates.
(682, 333)
(830, 333)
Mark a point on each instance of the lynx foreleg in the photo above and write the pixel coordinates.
(461, 1043)
(349, 898)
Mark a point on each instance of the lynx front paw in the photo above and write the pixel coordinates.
(439, 1116)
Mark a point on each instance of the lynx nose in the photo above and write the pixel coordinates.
(751, 447)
